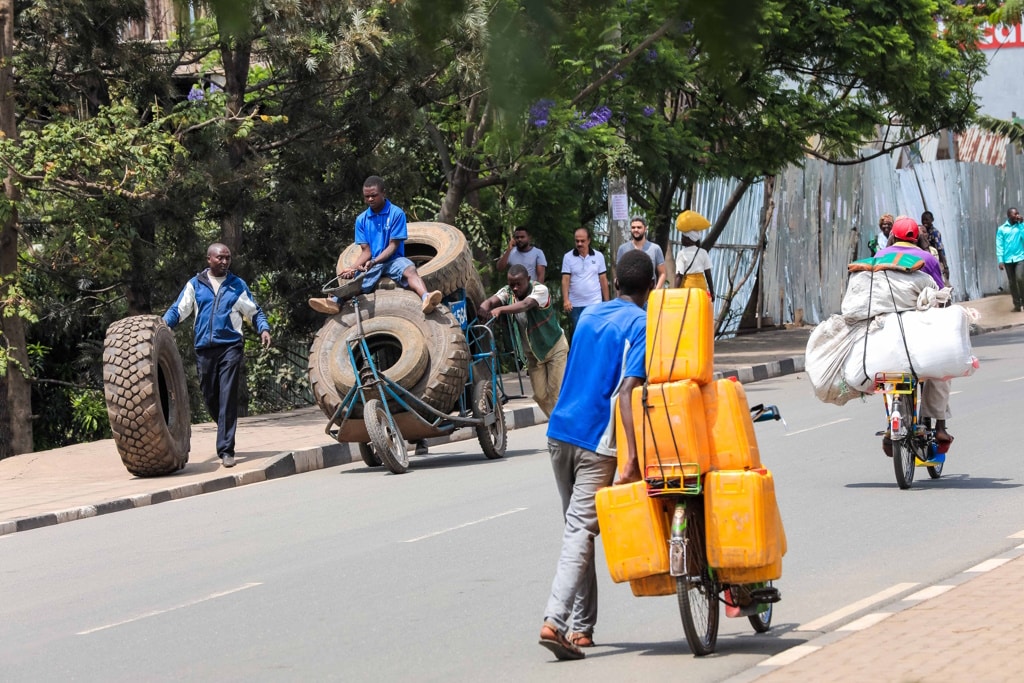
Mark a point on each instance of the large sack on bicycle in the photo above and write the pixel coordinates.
(874, 293)
(934, 343)
(827, 350)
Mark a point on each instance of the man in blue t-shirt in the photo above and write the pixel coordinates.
(606, 361)
(381, 233)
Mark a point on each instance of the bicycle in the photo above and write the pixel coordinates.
(913, 443)
(386, 405)
(698, 588)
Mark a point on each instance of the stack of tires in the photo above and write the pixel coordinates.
(427, 355)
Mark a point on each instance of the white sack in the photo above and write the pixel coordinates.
(866, 297)
(938, 340)
(827, 350)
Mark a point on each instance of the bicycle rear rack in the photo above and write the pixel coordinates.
(673, 479)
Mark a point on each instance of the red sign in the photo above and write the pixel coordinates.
(996, 37)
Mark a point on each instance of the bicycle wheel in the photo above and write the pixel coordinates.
(902, 449)
(368, 456)
(762, 621)
(386, 437)
(492, 437)
(697, 592)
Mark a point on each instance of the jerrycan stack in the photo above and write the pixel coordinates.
(694, 436)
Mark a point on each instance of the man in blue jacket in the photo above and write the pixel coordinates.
(220, 300)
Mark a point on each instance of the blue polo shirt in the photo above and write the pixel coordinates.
(609, 344)
(378, 229)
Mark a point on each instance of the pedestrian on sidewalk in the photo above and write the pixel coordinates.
(584, 277)
(221, 301)
(546, 348)
(521, 251)
(881, 240)
(606, 361)
(381, 233)
(638, 231)
(1010, 254)
(693, 264)
(935, 242)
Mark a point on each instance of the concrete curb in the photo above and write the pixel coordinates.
(282, 465)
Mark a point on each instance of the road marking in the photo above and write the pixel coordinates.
(463, 526)
(954, 393)
(843, 612)
(811, 429)
(929, 592)
(158, 612)
(988, 565)
(865, 621)
(789, 656)
(1019, 534)
(1013, 379)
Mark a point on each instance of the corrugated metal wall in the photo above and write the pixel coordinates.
(824, 216)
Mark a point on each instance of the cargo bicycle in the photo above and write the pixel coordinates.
(383, 404)
(913, 443)
(699, 588)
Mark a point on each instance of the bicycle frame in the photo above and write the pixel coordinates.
(912, 443)
(372, 383)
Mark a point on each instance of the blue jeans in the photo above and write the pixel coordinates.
(392, 269)
(579, 474)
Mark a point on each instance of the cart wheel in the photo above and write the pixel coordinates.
(492, 437)
(386, 437)
(368, 456)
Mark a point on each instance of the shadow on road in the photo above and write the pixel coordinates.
(947, 481)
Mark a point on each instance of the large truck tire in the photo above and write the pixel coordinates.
(146, 395)
(441, 256)
(394, 323)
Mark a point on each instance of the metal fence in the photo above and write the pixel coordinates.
(823, 216)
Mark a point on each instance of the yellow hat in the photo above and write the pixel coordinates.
(689, 221)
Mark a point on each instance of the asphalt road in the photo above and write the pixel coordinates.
(442, 574)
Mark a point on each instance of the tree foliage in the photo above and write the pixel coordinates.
(256, 123)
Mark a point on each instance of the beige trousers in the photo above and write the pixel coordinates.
(546, 375)
(935, 399)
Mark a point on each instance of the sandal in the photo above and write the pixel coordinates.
(552, 639)
(581, 639)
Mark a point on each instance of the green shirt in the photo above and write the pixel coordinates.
(538, 324)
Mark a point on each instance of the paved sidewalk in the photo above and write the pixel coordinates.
(967, 633)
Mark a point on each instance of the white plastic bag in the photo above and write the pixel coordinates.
(827, 350)
(934, 343)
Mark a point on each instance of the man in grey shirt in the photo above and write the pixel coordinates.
(638, 231)
(521, 252)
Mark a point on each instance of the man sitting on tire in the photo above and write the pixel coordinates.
(381, 232)
(220, 300)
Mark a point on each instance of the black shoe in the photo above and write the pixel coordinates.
(421, 447)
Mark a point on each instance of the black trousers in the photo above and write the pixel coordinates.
(1015, 274)
(220, 369)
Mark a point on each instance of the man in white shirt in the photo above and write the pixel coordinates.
(584, 277)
